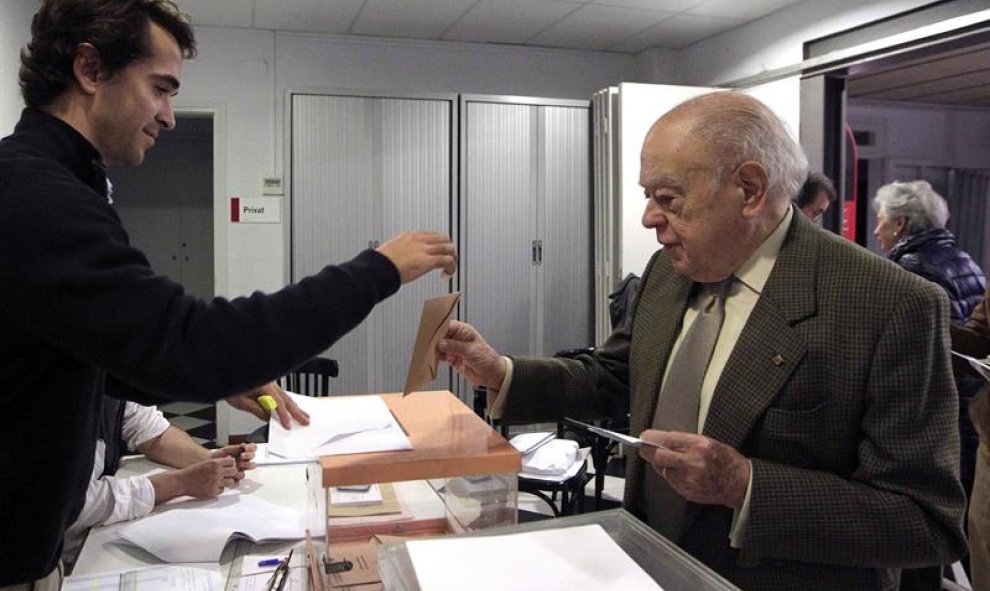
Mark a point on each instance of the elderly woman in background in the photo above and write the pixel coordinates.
(911, 229)
(911, 220)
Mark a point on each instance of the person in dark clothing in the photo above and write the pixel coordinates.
(816, 195)
(82, 313)
(974, 339)
(911, 220)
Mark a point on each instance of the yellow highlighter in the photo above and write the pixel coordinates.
(268, 403)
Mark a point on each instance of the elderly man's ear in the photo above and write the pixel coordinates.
(751, 178)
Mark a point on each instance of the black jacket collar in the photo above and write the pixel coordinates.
(59, 141)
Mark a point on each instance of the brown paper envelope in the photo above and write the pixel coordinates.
(437, 312)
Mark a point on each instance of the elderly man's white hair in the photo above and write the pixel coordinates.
(742, 129)
(916, 201)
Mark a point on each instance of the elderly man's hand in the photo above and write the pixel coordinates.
(286, 406)
(470, 355)
(699, 468)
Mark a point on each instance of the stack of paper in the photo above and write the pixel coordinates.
(563, 559)
(356, 497)
(197, 531)
(387, 504)
(338, 425)
(544, 457)
(527, 442)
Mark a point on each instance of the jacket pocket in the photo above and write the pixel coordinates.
(814, 438)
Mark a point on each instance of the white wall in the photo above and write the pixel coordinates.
(259, 67)
(15, 32)
(939, 136)
(235, 74)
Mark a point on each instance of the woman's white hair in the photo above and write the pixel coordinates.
(743, 129)
(916, 202)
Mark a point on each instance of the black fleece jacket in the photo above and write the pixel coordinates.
(82, 314)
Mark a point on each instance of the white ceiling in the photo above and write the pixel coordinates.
(626, 26)
(959, 77)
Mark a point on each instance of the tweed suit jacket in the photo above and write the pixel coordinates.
(839, 391)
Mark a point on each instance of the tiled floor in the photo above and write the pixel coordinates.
(198, 420)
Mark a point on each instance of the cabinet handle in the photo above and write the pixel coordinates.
(539, 252)
(533, 256)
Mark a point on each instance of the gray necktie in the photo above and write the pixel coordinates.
(680, 397)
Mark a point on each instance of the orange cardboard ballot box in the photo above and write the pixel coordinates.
(460, 475)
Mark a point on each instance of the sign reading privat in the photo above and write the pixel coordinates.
(256, 210)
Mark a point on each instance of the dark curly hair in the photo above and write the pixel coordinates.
(118, 29)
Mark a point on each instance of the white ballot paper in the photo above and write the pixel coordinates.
(197, 531)
(338, 425)
(528, 442)
(564, 559)
(980, 365)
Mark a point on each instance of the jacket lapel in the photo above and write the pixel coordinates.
(659, 312)
(664, 302)
(769, 348)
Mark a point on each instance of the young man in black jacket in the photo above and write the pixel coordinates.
(83, 314)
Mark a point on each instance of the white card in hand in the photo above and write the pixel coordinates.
(620, 437)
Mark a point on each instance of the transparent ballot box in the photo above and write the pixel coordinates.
(460, 476)
(669, 566)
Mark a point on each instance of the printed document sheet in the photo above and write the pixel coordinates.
(338, 425)
(564, 559)
(197, 531)
(157, 578)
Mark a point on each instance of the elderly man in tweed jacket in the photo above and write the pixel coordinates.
(826, 454)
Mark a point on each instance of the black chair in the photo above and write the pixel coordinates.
(603, 450)
(570, 491)
(311, 378)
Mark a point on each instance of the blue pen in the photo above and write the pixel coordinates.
(269, 562)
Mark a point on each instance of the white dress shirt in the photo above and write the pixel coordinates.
(110, 499)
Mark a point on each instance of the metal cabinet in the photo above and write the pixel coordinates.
(526, 219)
(507, 177)
(364, 169)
